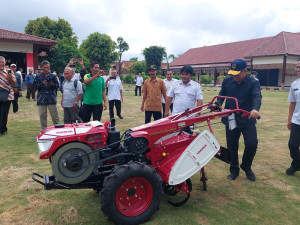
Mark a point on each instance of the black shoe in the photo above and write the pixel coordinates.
(291, 170)
(249, 174)
(3, 133)
(121, 117)
(232, 176)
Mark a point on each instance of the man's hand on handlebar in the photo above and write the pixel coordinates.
(254, 114)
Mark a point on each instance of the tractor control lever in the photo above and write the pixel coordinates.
(217, 107)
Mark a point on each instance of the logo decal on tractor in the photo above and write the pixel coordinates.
(201, 149)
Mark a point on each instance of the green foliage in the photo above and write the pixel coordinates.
(168, 57)
(160, 76)
(221, 77)
(48, 28)
(122, 46)
(154, 56)
(138, 67)
(61, 31)
(145, 77)
(99, 47)
(128, 79)
(60, 56)
(178, 77)
(134, 59)
(206, 79)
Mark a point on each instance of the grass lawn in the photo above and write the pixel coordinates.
(273, 199)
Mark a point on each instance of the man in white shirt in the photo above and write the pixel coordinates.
(168, 81)
(115, 94)
(294, 123)
(185, 93)
(139, 83)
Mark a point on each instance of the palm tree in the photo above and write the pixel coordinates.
(167, 58)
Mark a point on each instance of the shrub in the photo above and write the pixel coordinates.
(129, 79)
(206, 79)
(221, 77)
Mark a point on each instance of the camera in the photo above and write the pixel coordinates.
(49, 79)
(112, 77)
(9, 71)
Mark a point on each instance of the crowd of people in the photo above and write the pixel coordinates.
(87, 94)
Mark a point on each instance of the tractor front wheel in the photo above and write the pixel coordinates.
(131, 194)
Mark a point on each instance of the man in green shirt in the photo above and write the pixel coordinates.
(94, 97)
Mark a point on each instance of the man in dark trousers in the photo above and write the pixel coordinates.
(293, 123)
(47, 85)
(246, 90)
(153, 89)
(7, 79)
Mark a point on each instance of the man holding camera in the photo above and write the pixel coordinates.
(94, 97)
(115, 94)
(7, 79)
(47, 85)
(71, 95)
(73, 66)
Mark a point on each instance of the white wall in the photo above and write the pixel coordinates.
(16, 47)
(288, 79)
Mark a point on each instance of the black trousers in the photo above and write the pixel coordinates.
(88, 110)
(156, 115)
(30, 92)
(250, 142)
(113, 103)
(140, 90)
(164, 107)
(294, 144)
(15, 103)
(4, 109)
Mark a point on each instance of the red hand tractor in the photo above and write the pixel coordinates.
(133, 171)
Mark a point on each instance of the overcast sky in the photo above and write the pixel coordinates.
(177, 25)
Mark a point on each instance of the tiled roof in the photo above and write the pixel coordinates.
(126, 63)
(12, 36)
(281, 44)
(164, 65)
(222, 53)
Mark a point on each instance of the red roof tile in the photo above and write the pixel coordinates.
(164, 66)
(281, 44)
(222, 53)
(12, 36)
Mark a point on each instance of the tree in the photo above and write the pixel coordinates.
(99, 47)
(138, 67)
(134, 59)
(154, 56)
(122, 46)
(61, 31)
(167, 58)
(62, 53)
(48, 28)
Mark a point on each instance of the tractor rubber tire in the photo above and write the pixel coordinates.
(131, 194)
(67, 176)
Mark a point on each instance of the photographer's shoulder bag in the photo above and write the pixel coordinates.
(3, 95)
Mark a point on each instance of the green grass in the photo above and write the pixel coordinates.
(273, 199)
